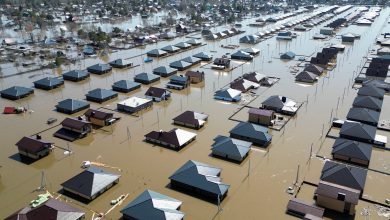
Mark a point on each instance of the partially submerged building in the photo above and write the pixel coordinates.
(254, 133)
(134, 104)
(125, 86)
(100, 95)
(90, 183)
(156, 53)
(16, 92)
(280, 104)
(48, 83)
(73, 129)
(261, 116)
(75, 75)
(174, 139)
(157, 94)
(146, 78)
(243, 85)
(229, 94)
(305, 210)
(164, 71)
(230, 148)
(33, 147)
(152, 205)
(357, 131)
(241, 55)
(191, 119)
(48, 208)
(200, 179)
(120, 63)
(203, 56)
(195, 76)
(178, 82)
(368, 102)
(307, 77)
(352, 151)
(70, 106)
(370, 90)
(99, 118)
(99, 69)
(180, 65)
(364, 115)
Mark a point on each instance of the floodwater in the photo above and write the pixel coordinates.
(261, 195)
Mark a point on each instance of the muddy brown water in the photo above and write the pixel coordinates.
(144, 166)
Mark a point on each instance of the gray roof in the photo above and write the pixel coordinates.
(152, 205)
(120, 62)
(164, 70)
(228, 93)
(352, 149)
(17, 91)
(202, 176)
(170, 48)
(182, 45)
(358, 130)
(232, 147)
(91, 181)
(254, 131)
(100, 93)
(344, 175)
(370, 90)
(49, 81)
(314, 69)
(240, 53)
(367, 102)
(363, 115)
(305, 75)
(72, 104)
(191, 59)
(180, 64)
(193, 42)
(156, 52)
(125, 84)
(99, 67)
(146, 76)
(202, 55)
(76, 73)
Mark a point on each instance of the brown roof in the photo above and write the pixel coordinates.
(169, 137)
(32, 144)
(194, 74)
(74, 123)
(155, 92)
(98, 114)
(304, 207)
(187, 117)
(258, 111)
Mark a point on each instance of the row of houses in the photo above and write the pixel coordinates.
(209, 35)
(170, 49)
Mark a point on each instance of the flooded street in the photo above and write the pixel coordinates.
(257, 185)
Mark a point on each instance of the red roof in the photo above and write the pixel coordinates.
(9, 110)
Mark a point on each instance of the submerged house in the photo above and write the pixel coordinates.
(280, 104)
(230, 148)
(90, 183)
(100, 95)
(73, 128)
(194, 42)
(134, 104)
(70, 106)
(243, 85)
(75, 75)
(48, 83)
(250, 39)
(357, 131)
(120, 63)
(252, 51)
(368, 102)
(314, 69)
(125, 86)
(156, 53)
(157, 94)
(180, 65)
(170, 49)
(200, 179)
(99, 118)
(174, 139)
(254, 77)
(254, 133)
(195, 76)
(192, 60)
(287, 56)
(146, 78)
(203, 56)
(224, 62)
(164, 71)
(305, 210)
(261, 116)
(191, 119)
(99, 69)
(16, 92)
(49, 208)
(364, 115)
(152, 205)
(33, 147)
(241, 55)
(370, 90)
(183, 45)
(352, 151)
(178, 82)
(307, 77)
(229, 94)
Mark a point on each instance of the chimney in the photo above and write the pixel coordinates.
(284, 99)
(93, 113)
(79, 118)
(38, 137)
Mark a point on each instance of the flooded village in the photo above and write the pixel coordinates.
(166, 109)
